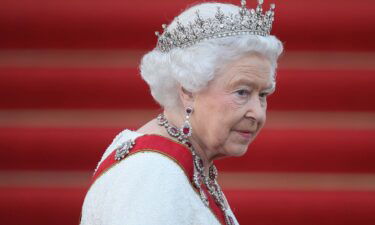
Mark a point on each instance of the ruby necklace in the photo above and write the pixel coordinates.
(199, 178)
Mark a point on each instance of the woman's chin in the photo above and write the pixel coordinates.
(237, 150)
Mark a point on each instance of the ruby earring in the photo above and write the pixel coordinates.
(186, 129)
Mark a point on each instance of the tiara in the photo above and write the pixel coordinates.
(246, 21)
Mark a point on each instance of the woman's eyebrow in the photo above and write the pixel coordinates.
(241, 81)
(250, 83)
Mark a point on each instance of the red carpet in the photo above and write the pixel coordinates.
(302, 170)
(251, 207)
(105, 88)
(273, 151)
(303, 208)
(57, 206)
(308, 25)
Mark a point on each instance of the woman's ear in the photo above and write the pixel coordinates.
(187, 97)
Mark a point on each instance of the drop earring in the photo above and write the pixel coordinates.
(186, 129)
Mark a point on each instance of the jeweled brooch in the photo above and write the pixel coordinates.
(123, 150)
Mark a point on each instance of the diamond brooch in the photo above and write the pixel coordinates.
(123, 149)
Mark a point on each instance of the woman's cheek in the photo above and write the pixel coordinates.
(235, 102)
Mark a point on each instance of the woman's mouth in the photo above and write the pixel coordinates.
(245, 134)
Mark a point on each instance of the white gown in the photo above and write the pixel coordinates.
(146, 188)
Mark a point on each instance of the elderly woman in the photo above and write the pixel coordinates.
(211, 71)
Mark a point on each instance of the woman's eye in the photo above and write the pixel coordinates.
(242, 92)
(263, 95)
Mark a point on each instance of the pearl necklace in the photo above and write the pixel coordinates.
(199, 178)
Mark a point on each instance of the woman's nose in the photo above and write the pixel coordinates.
(256, 109)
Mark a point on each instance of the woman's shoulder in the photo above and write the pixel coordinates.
(145, 165)
(150, 166)
(146, 182)
(120, 138)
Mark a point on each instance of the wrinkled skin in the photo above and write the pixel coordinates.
(231, 111)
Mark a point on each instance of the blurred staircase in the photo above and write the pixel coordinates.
(69, 82)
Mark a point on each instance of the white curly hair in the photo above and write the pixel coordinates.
(195, 66)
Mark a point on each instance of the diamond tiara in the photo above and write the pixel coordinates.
(246, 21)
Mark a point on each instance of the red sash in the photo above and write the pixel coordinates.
(173, 150)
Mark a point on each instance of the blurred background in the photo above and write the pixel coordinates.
(69, 82)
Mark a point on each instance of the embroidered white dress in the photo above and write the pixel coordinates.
(146, 188)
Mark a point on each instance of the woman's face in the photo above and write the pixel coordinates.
(231, 111)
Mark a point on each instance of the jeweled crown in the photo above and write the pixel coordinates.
(246, 21)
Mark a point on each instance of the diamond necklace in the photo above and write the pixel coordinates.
(199, 178)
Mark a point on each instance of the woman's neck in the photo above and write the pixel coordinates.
(177, 119)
